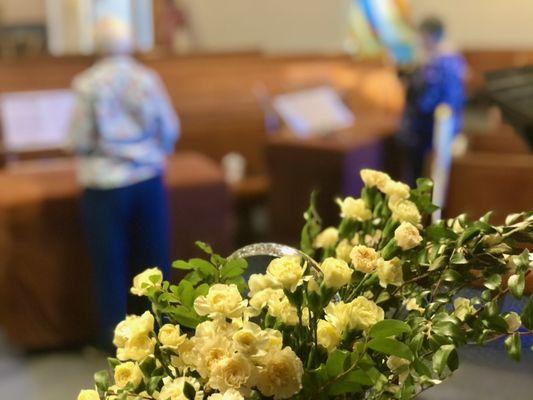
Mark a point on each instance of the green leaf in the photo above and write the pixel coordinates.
(186, 292)
(185, 316)
(204, 247)
(451, 275)
(522, 261)
(449, 329)
(101, 379)
(312, 227)
(444, 357)
(113, 362)
(517, 284)
(527, 314)
(335, 363)
(345, 385)
(495, 323)
(201, 290)
(183, 265)
(148, 366)
(233, 268)
(493, 282)
(458, 258)
(189, 391)
(513, 345)
(389, 327)
(421, 368)
(439, 231)
(153, 384)
(437, 263)
(424, 185)
(468, 234)
(351, 383)
(193, 277)
(203, 267)
(391, 347)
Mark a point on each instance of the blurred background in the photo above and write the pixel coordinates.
(275, 99)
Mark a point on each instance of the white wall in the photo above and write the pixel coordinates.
(271, 25)
(483, 24)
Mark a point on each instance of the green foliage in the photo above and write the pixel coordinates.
(312, 227)
(389, 328)
(391, 347)
(527, 314)
(513, 345)
(425, 324)
(445, 356)
(101, 380)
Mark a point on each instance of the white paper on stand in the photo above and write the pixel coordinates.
(35, 120)
(314, 111)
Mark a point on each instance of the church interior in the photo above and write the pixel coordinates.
(275, 100)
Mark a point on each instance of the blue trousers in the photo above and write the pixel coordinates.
(127, 231)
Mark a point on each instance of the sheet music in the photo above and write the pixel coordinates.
(315, 111)
(35, 120)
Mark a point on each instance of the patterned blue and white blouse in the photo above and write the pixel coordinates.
(123, 124)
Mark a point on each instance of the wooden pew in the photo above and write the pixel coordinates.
(45, 276)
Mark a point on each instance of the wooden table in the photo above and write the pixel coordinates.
(45, 276)
(329, 164)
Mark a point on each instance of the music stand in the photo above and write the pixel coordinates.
(512, 90)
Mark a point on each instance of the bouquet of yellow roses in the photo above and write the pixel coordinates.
(370, 309)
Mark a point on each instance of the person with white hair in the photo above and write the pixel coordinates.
(123, 128)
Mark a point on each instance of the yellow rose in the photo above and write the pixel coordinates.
(462, 308)
(397, 190)
(336, 272)
(230, 394)
(186, 357)
(222, 301)
(364, 259)
(173, 389)
(234, 372)
(407, 236)
(216, 328)
(170, 336)
(152, 277)
(259, 282)
(88, 395)
(209, 351)
(354, 209)
(283, 310)
(280, 375)
(260, 299)
(514, 322)
(338, 314)
(274, 340)
(327, 238)
(132, 337)
(328, 335)
(364, 313)
(128, 372)
(406, 211)
(250, 340)
(288, 271)
(137, 348)
(343, 250)
(133, 325)
(373, 178)
(390, 272)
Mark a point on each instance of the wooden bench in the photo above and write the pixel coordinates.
(45, 276)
